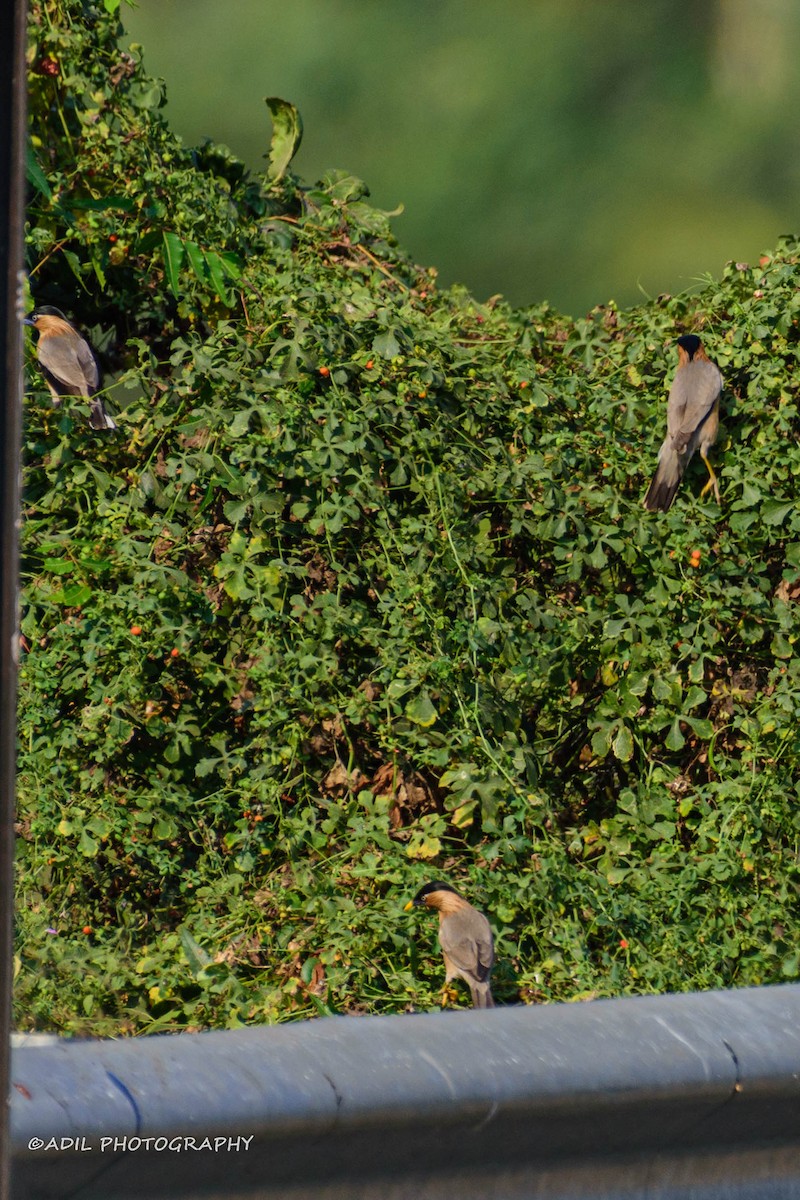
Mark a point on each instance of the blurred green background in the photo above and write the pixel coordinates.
(564, 150)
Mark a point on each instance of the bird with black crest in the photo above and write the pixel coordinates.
(692, 423)
(465, 937)
(68, 363)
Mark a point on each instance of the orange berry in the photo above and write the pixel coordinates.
(325, 371)
(523, 384)
(136, 630)
(87, 929)
(370, 364)
(174, 652)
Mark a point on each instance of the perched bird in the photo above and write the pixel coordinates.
(465, 938)
(68, 363)
(692, 422)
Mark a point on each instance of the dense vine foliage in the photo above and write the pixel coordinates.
(362, 592)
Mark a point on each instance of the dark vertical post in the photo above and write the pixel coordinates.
(12, 200)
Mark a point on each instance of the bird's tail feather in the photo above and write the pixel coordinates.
(99, 418)
(481, 995)
(665, 482)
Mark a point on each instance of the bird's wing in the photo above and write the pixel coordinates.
(88, 364)
(466, 939)
(691, 398)
(71, 363)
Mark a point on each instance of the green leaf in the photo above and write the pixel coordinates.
(781, 646)
(236, 510)
(103, 204)
(197, 260)
(195, 955)
(146, 95)
(425, 841)
(702, 727)
(36, 176)
(616, 875)
(99, 272)
(307, 970)
(675, 739)
(463, 816)
(609, 673)
(76, 266)
(638, 683)
(386, 345)
(601, 741)
(421, 710)
(623, 744)
(58, 566)
(240, 424)
(174, 251)
(73, 596)
(790, 965)
(614, 627)
(597, 559)
(775, 512)
(87, 846)
(216, 269)
(697, 670)
(231, 264)
(287, 133)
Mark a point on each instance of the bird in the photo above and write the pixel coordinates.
(692, 423)
(68, 363)
(465, 938)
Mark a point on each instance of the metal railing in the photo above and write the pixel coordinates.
(12, 201)
(693, 1095)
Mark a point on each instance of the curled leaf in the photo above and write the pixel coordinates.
(287, 133)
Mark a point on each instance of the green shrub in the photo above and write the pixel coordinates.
(363, 592)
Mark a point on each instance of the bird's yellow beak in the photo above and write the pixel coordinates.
(408, 907)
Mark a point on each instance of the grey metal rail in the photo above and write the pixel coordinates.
(12, 211)
(692, 1095)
